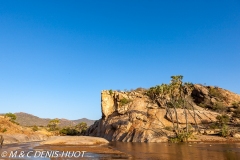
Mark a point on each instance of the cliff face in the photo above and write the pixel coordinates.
(134, 117)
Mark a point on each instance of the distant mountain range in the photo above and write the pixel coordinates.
(25, 119)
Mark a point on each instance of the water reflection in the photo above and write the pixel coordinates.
(168, 151)
(151, 151)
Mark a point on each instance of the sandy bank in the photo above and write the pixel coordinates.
(74, 140)
(21, 138)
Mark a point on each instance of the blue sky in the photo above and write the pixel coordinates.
(57, 56)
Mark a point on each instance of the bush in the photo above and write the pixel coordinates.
(236, 113)
(110, 92)
(4, 130)
(181, 137)
(214, 92)
(69, 131)
(81, 127)
(236, 104)
(124, 101)
(222, 123)
(223, 119)
(11, 116)
(35, 128)
(219, 107)
(225, 131)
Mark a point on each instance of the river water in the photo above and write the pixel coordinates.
(145, 151)
(180, 151)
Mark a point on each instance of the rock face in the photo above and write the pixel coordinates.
(134, 117)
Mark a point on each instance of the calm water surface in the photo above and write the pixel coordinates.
(151, 151)
(169, 151)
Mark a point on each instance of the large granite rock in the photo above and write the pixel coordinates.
(134, 117)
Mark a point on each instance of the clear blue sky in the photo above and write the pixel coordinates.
(57, 56)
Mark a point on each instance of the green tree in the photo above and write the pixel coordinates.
(69, 131)
(53, 124)
(81, 127)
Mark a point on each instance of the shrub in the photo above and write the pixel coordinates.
(181, 137)
(35, 128)
(214, 126)
(214, 92)
(110, 92)
(223, 119)
(81, 127)
(236, 113)
(11, 116)
(224, 131)
(4, 130)
(69, 131)
(124, 101)
(53, 124)
(219, 107)
(222, 123)
(236, 104)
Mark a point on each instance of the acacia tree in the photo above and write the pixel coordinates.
(53, 124)
(81, 127)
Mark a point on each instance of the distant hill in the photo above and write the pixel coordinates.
(25, 119)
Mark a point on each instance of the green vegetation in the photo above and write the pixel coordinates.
(124, 101)
(11, 116)
(214, 92)
(172, 96)
(79, 129)
(35, 128)
(225, 131)
(219, 107)
(181, 137)
(236, 104)
(223, 119)
(222, 124)
(236, 112)
(110, 92)
(69, 131)
(53, 124)
(4, 130)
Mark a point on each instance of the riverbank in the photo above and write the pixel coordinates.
(23, 138)
(74, 140)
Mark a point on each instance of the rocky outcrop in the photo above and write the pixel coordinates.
(134, 117)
